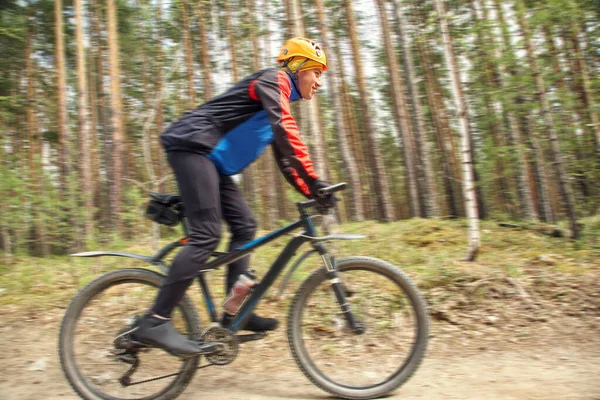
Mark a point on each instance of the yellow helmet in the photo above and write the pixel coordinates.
(302, 48)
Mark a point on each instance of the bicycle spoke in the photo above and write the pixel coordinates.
(350, 363)
(97, 366)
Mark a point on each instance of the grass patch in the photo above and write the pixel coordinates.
(430, 251)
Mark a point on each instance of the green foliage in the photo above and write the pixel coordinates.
(429, 251)
(24, 208)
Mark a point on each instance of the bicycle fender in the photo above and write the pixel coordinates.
(345, 236)
(113, 253)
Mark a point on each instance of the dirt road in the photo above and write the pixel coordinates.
(549, 363)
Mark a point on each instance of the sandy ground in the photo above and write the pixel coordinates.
(550, 364)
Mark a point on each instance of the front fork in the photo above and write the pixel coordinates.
(338, 289)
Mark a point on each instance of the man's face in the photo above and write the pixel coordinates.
(309, 81)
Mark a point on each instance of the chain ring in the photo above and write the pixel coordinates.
(224, 337)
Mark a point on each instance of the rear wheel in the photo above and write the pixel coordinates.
(94, 362)
(351, 365)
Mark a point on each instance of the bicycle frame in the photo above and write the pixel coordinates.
(219, 259)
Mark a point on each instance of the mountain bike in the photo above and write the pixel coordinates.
(357, 327)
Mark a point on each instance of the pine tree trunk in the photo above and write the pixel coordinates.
(64, 159)
(202, 8)
(83, 116)
(459, 101)
(160, 87)
(341, 130)
(105, 140)
(423, 146)
(400, 113)
(311, 130)
(584, 77)
(93, 101)
(189, 54)
(353, 135)
(382, 191)
(39, 242)
(272, 199)
(280, 206)
(151, 103)
(561, 174)
(250, 173)
(116, 186)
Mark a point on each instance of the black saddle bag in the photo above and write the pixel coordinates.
(162, 213)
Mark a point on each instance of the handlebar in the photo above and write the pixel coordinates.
(303, 205)
(331, 189)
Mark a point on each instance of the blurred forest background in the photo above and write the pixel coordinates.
(486, 109)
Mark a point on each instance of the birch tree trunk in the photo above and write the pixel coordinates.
(423, 146)
(83, 115)
(561, 174)
(461, 108)
(341, 130)
(400, 113)
(382, 191)
(116, 186)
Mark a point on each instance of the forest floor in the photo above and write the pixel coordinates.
(523, 322)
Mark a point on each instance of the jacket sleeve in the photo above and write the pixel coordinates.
(273, 89)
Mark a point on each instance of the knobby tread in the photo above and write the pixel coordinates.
(102, 283)
(411, 289)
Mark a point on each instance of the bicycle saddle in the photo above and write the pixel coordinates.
(168, 199)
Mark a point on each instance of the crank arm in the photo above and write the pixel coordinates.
(250, 337)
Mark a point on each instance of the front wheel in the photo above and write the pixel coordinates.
(359, 365)
(93, 330)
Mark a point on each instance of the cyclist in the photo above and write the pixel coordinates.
(219, 139)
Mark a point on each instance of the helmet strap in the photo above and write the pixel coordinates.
(294, 74)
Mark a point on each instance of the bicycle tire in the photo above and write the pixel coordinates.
(306, 362)
(79, 383)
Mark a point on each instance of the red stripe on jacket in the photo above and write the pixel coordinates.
(252, 92)
(291, 129)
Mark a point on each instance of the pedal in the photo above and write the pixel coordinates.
(250, 337)
(127, 358)
(132, 345)
(212, 348)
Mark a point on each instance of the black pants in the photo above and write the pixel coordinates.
(207, 197)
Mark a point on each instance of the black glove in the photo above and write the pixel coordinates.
(324, 202)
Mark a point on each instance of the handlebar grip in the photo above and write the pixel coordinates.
(331, 189)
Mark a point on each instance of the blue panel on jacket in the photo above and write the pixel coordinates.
(242, 145)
